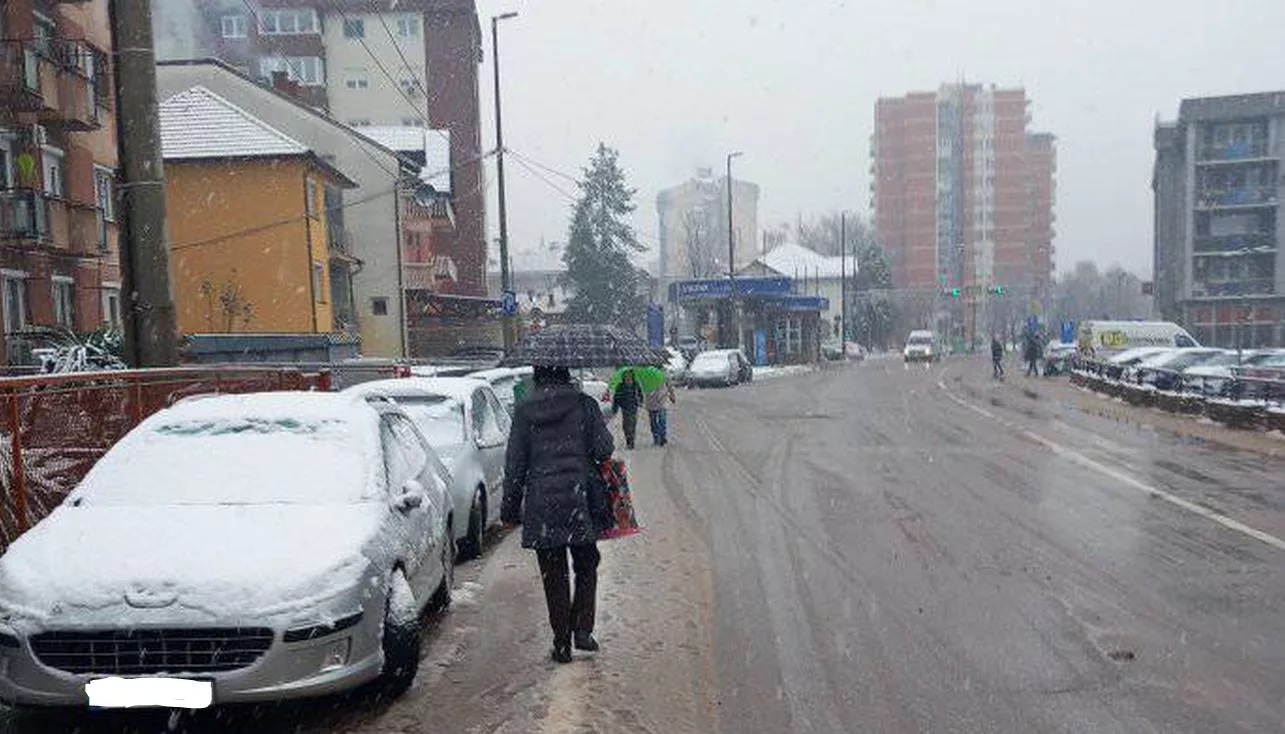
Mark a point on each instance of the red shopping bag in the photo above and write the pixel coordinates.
(625, 522)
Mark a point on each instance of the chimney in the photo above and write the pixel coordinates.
(281, 82)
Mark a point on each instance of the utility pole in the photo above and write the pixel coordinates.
(843, 283)
(731, 252)
(151, 330)
(506, 277)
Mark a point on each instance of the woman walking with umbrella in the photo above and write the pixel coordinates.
(557, 441)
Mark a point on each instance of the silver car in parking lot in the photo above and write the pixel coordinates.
(263, 547)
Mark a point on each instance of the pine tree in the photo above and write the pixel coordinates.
(600, 241)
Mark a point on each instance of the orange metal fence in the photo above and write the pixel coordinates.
(54, 427)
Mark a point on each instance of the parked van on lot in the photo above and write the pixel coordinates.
(1103, 338)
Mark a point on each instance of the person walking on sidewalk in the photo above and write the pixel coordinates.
(557, 441)
(627, 400)
(657, 403)
(1032, 354)
(997, 357)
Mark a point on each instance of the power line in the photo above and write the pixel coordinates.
(569, 197)
(538, 164)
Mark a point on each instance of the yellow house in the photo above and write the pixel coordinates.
(247, 220)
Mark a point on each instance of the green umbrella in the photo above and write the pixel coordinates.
(648, 378)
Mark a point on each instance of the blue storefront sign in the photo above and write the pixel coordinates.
(795, 303)
(1068, 332)
(686, 290)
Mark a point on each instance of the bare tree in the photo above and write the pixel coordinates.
(702, 254)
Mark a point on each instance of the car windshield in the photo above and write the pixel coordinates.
(710, 360)
(920, 341)
(1182, 360)
(233, 462)
(439, 418)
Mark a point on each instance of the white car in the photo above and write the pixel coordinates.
(1214, 376)
(503, 380)
(468, 426)
(596, 388)
(922, 346)
(725, 367)
(260, 547)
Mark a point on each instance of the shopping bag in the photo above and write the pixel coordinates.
(624, 521)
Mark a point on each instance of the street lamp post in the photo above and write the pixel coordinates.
(506, 277)
(731, 251)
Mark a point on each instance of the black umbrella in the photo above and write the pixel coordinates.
(584, 345)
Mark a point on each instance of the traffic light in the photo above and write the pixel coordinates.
(998, 290)
(954, 293)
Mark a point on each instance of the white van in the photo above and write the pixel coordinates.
(1101, 338)
(923, 346)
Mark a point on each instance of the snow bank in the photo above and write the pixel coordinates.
(772, 372)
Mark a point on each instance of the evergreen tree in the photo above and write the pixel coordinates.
(600, 241)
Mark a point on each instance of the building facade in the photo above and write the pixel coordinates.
(58, 233)
(693, 227)
(1217, 187)
(365, 62)
(963, 196)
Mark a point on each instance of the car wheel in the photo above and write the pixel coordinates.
(442, 597)
(401, 636)
(470, 546)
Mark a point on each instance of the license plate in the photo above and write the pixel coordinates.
(176, 693)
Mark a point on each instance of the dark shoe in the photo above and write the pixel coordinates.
(585, 641)
(629, 446)
(561, 652)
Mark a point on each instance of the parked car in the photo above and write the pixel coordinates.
(724, 367)
(676, 367)
(1058, 358)
(690, 346)
(264, 546)
(1164, 370)
(923, 346)
(856, 352)
(595, 387)
(832, 349)
(1214, 376)
(503, 380)
(467, 424)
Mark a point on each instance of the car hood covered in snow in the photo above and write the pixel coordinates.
(88, 566)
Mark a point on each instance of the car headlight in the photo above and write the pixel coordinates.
(312, 632)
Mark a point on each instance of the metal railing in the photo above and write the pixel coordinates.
(1234, 151)
(1238, 196)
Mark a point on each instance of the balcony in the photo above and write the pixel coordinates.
(32, 217)
(1237, 152)
(1244, 197)
(55, 81)
(1235, 243)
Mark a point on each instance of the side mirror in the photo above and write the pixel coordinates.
(412, 496)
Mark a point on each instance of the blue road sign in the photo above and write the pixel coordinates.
(509, 303)
(1068, 332)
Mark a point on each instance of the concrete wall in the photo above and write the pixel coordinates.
(373, 222)
(348, 63)
(1169, 248)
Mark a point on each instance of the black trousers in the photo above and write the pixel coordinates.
(629, 421)
(569, 613)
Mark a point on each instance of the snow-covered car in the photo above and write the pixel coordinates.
(1058, 357)
(259, 547)
(725, 367)
(1214, 376)
(1164, 370)
(504, 381)
(676, 367)
(596, 388)
(468, 426)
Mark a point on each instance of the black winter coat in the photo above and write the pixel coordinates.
(558, 437)
(628, 397)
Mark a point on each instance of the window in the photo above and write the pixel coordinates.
(411, 87)
(306, 70)
(413, 121)
(288, 22)
(235, 26)
(319, 282)
(408, 27)
(53, 160)
(64, 302)
(379, 306)
(357, 80)
(310, 197)
(360, 122)
(354, 28)
(501, 413)
(6, 164)
(15, 301)
(43, 34)
(105, 192)
(111, 304)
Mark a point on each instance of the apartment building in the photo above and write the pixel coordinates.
(58, 234)
(366, 63)
(1217, 188)
(963, 193)
(693, 226)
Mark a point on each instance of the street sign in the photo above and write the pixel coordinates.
(1068, 332)
(509, 303)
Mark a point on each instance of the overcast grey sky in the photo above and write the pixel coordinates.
(675, 84)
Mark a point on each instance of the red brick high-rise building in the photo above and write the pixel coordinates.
(963, 195)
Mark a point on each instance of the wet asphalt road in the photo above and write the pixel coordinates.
(929, 550)
(883, 549)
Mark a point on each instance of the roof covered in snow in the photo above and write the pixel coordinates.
(793, 260)
(433, 144)
(198, 123)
